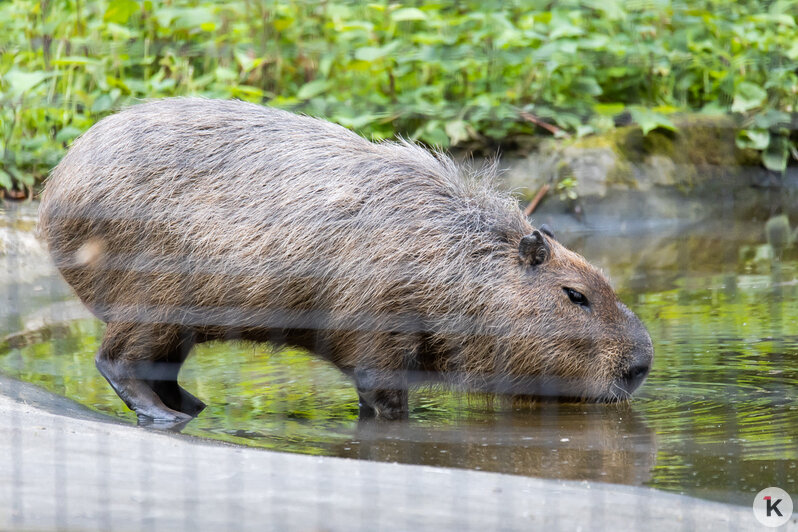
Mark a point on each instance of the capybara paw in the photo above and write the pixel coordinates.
(391, 413)
(365, 410)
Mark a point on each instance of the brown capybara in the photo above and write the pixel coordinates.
(187, 220)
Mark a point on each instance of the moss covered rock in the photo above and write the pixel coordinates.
(702, 151)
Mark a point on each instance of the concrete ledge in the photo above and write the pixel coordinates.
(81, 473)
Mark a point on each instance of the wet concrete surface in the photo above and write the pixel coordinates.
(78, 470)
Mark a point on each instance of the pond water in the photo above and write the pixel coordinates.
(717, 418)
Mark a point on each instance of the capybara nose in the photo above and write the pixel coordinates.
(634, 377)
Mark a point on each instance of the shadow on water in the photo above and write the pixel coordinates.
(716, 419)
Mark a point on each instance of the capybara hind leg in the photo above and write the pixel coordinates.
(125, 360)
(381, 394)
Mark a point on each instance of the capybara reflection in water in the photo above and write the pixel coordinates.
(187, 220)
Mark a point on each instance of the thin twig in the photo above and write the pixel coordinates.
(536, 200)
(554, 130)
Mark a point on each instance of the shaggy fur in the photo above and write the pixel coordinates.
(186, 220)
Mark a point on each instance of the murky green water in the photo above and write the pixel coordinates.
(717, 418)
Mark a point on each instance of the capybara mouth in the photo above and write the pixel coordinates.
(551, 390)
(530, 399)
(561, 390)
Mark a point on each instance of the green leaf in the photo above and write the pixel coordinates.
(561, 26)
(119, 11)
(457, 130)
(356, 122)
(747, 96)
(75, 60)
(772, 118)
(587, 85)
(187, 18)
(312, 88)
(369, 53)
(196, 17)
(247, 61)
(20, 82)
(373, 53)
(225, 74)
(68, 134)
(247, 92)
(433, 134)
(609, 109)
(756, 139)
(26, 178)
(165, 15)
(775, 156)
(649, 120)
(408, 13)
(5, 180)
(102, 104)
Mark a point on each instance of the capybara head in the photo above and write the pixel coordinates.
(569, 337)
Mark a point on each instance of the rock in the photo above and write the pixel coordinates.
(702, 154)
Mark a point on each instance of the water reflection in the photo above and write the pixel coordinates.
(717, 417)
(556, 441)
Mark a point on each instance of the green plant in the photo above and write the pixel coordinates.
(444, 73)
(566, 188)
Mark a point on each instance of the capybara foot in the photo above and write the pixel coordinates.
(386, 397)
(189, 404)
(175, 423)
(154, 415)
(177, 398)
(364, 410)
(137, 394)
(391, 412)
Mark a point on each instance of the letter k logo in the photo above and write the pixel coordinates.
(772, 506)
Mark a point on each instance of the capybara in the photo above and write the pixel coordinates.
(187, 220)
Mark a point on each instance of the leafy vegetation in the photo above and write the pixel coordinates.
(446, 73)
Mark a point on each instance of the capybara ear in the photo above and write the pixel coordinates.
(546, 230)
(533, 249)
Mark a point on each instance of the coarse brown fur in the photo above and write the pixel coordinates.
(185, 220)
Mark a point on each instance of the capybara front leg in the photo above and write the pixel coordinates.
(125, 378)
(125, 359)
(164, 379)
(381, 394)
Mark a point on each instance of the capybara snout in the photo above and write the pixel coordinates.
(186, 220)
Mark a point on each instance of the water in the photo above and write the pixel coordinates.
(717, 417)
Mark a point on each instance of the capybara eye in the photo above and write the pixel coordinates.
(577, 298)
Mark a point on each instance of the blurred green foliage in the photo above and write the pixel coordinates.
(443, 72)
